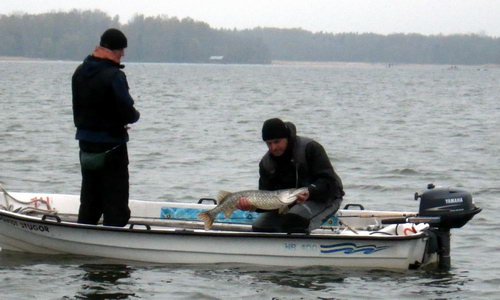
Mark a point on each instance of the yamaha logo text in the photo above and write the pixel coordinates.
(453, 200)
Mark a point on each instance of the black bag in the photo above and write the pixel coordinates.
(94, 161)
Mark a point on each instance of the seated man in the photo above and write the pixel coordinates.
(292, 162)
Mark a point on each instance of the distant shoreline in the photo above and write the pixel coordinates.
(344, 64)
(327, 63)
(18, 58)
(324, 64)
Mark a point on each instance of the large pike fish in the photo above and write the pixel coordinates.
(265, 200)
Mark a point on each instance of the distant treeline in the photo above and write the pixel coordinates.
(73, 35)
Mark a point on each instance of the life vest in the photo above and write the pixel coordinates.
(302, 177)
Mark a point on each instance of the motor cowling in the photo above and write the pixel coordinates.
(454, 207)
(445, 208)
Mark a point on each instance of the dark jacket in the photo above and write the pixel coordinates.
(102, 105)
(304, 164)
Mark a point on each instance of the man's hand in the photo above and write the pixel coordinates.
(302, 197)
(244, 204)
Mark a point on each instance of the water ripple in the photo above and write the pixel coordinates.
(388, 131)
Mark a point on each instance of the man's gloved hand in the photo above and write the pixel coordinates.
(244, 204)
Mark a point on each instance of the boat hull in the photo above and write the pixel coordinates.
(175, 245)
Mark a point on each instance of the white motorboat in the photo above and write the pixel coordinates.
(169, 232)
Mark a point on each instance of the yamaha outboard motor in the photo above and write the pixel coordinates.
(445, 208)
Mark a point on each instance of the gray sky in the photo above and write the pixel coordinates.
(377, 16)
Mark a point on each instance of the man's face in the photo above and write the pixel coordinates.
(277, 146)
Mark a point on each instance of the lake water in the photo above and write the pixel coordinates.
(389, 131)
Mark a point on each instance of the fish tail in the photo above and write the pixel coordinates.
(207, 218)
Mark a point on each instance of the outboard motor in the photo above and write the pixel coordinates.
(445, 208)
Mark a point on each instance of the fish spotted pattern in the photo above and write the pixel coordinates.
(265, 200)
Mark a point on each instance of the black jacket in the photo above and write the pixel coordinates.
(304, 164)
(102, 105)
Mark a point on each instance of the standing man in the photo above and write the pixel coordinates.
(292, 162)
(102, 109)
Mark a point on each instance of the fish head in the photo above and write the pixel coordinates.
(289, 196)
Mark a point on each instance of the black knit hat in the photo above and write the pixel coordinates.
(113, 39)
(274, 129)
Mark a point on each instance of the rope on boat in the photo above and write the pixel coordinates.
(36, 202)
(8, 196)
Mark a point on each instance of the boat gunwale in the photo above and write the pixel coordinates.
(213, 233)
